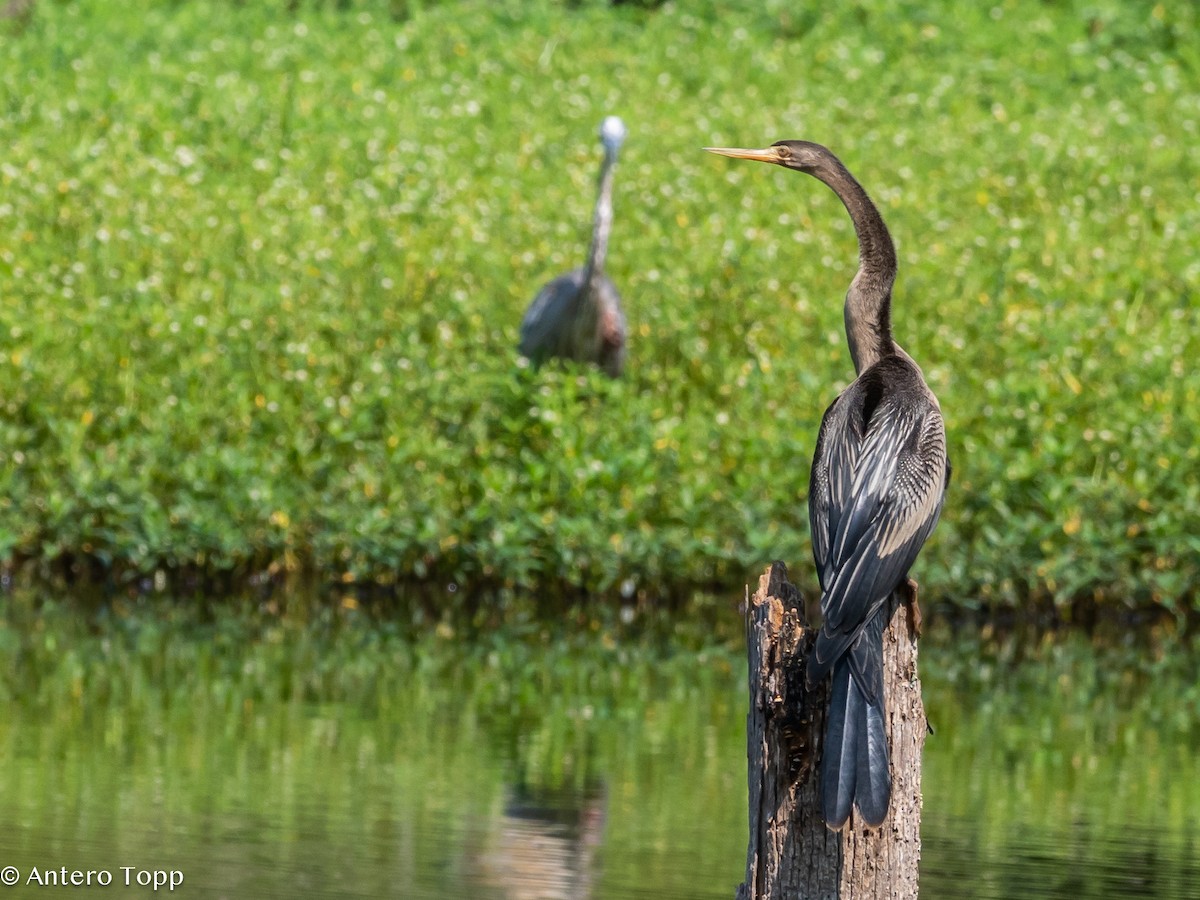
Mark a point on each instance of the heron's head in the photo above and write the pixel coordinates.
(612, 133)
(803, 156)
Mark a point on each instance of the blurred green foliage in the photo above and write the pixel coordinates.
(262, 267)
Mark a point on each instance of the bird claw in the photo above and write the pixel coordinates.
(908, 594)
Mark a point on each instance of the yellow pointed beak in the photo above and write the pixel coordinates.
(767, 155)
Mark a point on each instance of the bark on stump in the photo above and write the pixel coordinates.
(791, 853)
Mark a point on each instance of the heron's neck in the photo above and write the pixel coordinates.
(602, 224)
(869, 300)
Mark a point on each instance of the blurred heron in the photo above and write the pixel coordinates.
(578, 315)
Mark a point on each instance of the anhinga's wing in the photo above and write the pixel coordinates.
(876, 491)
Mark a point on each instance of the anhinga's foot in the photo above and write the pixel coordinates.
(908, 593)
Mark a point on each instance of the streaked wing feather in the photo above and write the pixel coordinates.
(884, 495)
(820, 503)
(885, 530)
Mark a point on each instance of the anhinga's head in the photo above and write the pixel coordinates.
(803, 156)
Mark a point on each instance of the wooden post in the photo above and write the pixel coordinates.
(791, 853)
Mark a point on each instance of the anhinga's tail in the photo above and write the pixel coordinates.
(854, 761)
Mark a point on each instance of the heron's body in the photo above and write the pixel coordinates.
(578, 315)
(569, 320)
(875, 493)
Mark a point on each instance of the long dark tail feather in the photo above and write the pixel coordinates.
(874, 782)
(854, 761)
(842, 727)
(873, 786)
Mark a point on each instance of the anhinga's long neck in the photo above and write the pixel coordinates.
(602, 224)
(869, 300)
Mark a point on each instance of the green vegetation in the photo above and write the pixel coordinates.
(261, 272)
(330, 746)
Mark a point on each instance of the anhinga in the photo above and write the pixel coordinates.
(879, 475)
(578, 315)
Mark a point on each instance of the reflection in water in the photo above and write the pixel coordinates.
(543, 845)
(968, 859)
(268, 758)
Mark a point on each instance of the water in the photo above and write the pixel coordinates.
(335, 756)
(1058, 860)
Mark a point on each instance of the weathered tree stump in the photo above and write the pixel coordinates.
(792, 854)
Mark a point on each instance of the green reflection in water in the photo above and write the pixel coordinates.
(1060, 770)
(332, 754)
(329, 752)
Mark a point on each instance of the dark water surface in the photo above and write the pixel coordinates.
(341, 757)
